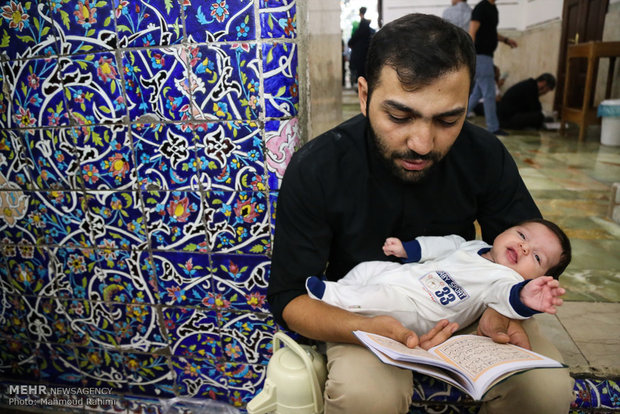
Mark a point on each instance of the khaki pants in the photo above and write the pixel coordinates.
(359, 383)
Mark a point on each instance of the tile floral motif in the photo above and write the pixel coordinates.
(280, 79)
(84, 25)
(18, 360)
(278, 19)
(13, 319)
(220, 20)
(102, 368)
(116, 220)
(200, 378)
(49, 321)
(175, 220)
(184, 278)
(57, 365)
(193, 333)
(36, 98)
(73, 271)
(93, 89)
(156, 84)
(240, 282)
(231, 157)
(224, 82)
(27, 269)
(14, 174)
(136, 328)
(244, 382)
(166, 156)
(56, 163)
(282, 138)
(149, 374)
(106, 159)
(146, 23)
(247, 337)
(26, 30)
(239, 222)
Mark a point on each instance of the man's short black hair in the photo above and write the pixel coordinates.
(548, 78)
(420, 48)
(362, 10)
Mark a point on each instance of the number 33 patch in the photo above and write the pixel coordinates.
(442, 289)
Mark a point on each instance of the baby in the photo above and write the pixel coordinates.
(457, 280)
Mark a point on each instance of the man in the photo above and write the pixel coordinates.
(520, 106)
(483, 30)
(459, 14)
(409, 166)
(358, 43)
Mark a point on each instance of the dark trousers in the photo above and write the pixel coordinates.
(522, 120)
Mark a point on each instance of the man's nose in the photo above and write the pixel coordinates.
(421, 137)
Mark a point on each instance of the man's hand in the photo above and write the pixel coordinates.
(392, 328)
(502, 329)
(542, 294)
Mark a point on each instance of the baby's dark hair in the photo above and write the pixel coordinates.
(566, 255)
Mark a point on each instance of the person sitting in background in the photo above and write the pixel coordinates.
(520, 106)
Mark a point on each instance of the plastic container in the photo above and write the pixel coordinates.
(609, 110)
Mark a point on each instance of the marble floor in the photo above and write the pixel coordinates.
(571, 182)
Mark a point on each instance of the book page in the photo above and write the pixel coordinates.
(478, 355)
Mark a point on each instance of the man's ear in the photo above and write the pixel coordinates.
(362, 91)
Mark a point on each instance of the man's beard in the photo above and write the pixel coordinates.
(389, 158)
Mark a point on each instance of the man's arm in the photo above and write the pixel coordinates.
(318, 320)
(504, 39)
(474, 25)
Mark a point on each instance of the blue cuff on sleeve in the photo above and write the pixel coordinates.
(413, 250)
(517, 305)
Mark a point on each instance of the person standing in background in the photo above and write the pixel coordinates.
(483, 31)
(459, 14)
(358, 43)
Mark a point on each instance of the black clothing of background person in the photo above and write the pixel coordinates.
(520, 106)
(358, 43)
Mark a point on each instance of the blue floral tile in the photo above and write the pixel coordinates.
(239, 221)
(14, 316)
(55, 164)
(117, 221)
(231, 157)
(18, 360)
(427, 388)
(604, 393)
(93, 89)
(26, 30)
(225, 82)
(280, 79)
(220, 20)
(200, 378)
(166, 156)
(156, 84)
(75, 270)
(58, 365)
(102, 368)
(15, 172)
(273, 204)
(55, 217)
(184, 278)
(4, 96)
(240, 282)
(137, 405)
(192, 333)
(175, 220)
(146, 23)
(136, 328)
(105, 404)
(125, 277)
(49, 322)
(36, 95)
(282, 139)
(84, 25)
(247, 337)
(149, 374)
(89, 321)
(106, 159)
(244, 382)
(28, 270)
(280, 21)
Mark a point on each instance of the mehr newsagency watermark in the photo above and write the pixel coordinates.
(42, 395)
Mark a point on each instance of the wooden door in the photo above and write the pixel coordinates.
(582, 21)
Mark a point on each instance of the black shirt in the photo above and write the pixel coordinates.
(486, 36)
(338, 204)
(521, 97)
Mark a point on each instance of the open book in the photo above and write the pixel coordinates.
(470, 363)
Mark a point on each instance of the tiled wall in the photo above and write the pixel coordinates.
(141, 148)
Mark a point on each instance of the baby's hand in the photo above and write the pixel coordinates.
(542, 294)
(394, 247)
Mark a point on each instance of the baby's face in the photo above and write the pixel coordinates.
(530, 249)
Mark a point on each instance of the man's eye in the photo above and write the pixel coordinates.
(397, 118)
(446, 123)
